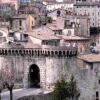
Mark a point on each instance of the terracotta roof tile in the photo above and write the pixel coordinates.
(90, 57)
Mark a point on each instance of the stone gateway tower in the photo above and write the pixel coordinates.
(35, 65)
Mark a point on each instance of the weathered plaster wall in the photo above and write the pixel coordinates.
(53, 69)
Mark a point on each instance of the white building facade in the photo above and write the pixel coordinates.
(90, 9)
(59, 5)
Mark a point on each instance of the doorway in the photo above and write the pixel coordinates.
(34, 76)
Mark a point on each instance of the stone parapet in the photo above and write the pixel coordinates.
(52, 52)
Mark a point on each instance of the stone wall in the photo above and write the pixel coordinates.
(37, 97)
(51, 68)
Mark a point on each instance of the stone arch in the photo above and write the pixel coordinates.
(67, 53)
(35, 52)
(52, 53)
(9, 51)
(26, 52)
(32, 52)
(34, 76)
(29, 52)
(5, 52)
(20, 51)
(12, 52)
(48, 53)
(16, 51)
(23, 51)
(60, 53)
(38, 52)
(56, 52)
(2, 51)
(70, 53)
(64, 54)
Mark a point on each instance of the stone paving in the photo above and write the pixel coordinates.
(22, 92)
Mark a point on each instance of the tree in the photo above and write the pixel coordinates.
(9, 79)
(66, 90)
(60, 91)
(47, 20)
(72, 89)
(1, 82)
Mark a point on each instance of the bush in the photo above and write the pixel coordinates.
(66, 90)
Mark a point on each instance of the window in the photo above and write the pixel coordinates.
(20, 28)
(93, 24)
(32, 22)
(69, 33)
(97, 95)
(99, 81)
(58, 13)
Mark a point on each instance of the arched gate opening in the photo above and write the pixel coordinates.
(34, 76)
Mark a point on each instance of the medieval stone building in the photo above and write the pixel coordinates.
(38, 61)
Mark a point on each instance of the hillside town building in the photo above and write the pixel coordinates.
(89, 68)
(34, 51)
(48, 41)
(90, 9)
(14, 2)
(23, 22)
(50, 6)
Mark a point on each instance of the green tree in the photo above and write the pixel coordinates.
(73, 92)
(60, 91)
(66, 90)
(47, 20)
